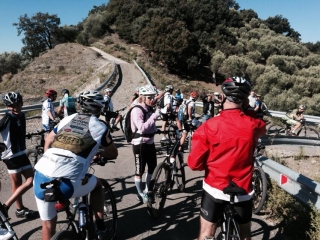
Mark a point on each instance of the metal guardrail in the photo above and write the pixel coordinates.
(143, 73)
(299, 186)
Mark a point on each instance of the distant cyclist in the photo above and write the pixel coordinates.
(67, 104)
(295, 117)
(167, 109)
(108, 109)
(208, 107)
(48, 113)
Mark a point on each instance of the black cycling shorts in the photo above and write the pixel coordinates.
(17, 164)
(212, 208)
(168, 116)
(110, 115)
(144, 154)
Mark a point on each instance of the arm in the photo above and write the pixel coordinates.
(295, 116)
(189, 112)
(200, 150)
(137, 117)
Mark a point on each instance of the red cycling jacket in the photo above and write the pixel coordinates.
(223, 147)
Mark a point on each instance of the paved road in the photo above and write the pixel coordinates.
(180, 219)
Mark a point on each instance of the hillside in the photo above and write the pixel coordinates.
(68, 66)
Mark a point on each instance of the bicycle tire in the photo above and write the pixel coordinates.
(275, 129)
(110, 209)
(259, 182)
(180, 174)
(309, 132)
(65, 235)
(158, 186)
(171, 132)
(6, 224)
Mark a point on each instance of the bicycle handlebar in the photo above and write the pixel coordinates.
(39, 132)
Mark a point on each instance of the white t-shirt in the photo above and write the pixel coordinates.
(252, 101)
(47, 106)
(167, 99)
(77, 141)
(109, 101)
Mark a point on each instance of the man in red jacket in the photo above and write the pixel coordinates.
(223, 147)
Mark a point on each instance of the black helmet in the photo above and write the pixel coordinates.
(12, 97)
(64, 91)
(236, 89)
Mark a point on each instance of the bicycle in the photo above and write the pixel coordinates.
(34, 154)
(230, 229)
(259, 182)
(110, 122)
(4, 219)
(285, 129)
(167, 173)
(84, 228)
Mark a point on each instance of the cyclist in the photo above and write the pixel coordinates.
(48, 113)
(223, 146)
(191, 121)
(217, 102)
(13, 131)
(144, 127)
(4, 233)
(167, 109)
(208, 107)
(295, 117)
(108, 109)
(67, 104)
(257, 106)
(69, 149)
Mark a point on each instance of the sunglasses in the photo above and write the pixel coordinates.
(150, 97)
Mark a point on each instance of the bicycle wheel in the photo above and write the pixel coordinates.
(171, 132)
(180, 175)
(110, 209)
(65, 235)
(6, 225)
(259, 182)
(276, 130)
(158, 189)
(33, 156)
(308, 132)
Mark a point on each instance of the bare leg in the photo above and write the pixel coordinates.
(49, 228)
(18, 189)
(206, 228)
(97, 200)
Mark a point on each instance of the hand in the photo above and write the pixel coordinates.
(157, 112)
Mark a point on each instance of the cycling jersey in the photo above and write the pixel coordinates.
(47, 106)
(223, 146)
(77, 140)
(13, 131)
(68, 104)
(144, 127)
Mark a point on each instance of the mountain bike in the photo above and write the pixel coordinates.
(167, 173)
(4, 219)
(110, 122)
(230, 229)
(85, 228)
(285, 129)
(34, 154)
(259, 182)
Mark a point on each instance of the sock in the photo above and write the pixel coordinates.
(137, 182)
(148, 178)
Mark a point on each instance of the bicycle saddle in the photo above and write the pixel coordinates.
(233, 188)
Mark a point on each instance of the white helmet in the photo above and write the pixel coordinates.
(91, 101)
(107, 90)
(216, 93)
(168, 88)
(147, 90)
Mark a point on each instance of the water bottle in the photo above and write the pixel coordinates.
(82, 215)
(172, 159)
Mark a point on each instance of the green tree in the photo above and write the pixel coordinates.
(38, 31)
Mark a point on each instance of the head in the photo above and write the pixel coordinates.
(64, 91)
(236, 89)
(301, 108)
(193, 95)
(91, 102)
(209, 96)
(178, 91)
(108, 91)
(169, 89)
(252, 94)
(258, 97)
(13, 101)
(147, 94)
(52, 94)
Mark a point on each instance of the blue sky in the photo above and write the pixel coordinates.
(69, 12)
(303, 15)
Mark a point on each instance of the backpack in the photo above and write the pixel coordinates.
(183, 111)
(128, 134)
(161, 102)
